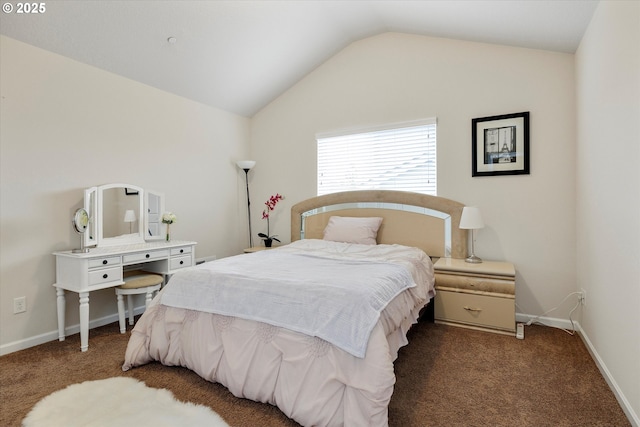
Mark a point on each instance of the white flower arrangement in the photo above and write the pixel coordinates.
(168, 218)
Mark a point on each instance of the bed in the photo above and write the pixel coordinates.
(323, 361)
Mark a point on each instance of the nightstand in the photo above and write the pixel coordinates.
(478, 296)
(256, 249)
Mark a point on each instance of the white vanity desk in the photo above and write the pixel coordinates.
(121, 227)
(102, 268)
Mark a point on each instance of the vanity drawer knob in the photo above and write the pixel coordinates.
(181, 262)
(104, 276)
(181, 251)
(147, 256)
(105, 262)
(466, 307)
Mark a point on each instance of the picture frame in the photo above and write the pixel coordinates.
(500, 145)
(130, 192)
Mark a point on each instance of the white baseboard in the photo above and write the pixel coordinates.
(634, 419)
(547, 321)
(613, 385)
(53, 335)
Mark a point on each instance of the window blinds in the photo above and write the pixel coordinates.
(400, 157)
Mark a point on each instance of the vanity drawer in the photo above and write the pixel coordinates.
(104, 262)
(180, 251)
(105, 275)
(179, 262)
(479, 310)
(145, 256)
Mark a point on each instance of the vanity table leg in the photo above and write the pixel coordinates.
(62, 304)
(84, 321)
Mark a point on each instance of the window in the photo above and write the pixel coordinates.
(394, 157)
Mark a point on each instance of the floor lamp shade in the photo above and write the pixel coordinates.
(471, 219)
(246, 166)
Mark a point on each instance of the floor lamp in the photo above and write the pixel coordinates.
(246, 166)
(471, 219)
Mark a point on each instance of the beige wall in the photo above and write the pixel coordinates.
(608, 191)
(66, 126)
(530, 220)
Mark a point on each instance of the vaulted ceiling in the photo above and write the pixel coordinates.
(240, 55)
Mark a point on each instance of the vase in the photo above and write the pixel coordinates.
(268, 242)
(168, 233)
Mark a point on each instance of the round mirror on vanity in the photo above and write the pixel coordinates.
(80, 223)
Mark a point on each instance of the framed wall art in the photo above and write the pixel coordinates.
(500, 145)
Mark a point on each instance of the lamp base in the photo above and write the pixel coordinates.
(473, 259)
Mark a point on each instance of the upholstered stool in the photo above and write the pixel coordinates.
(136, 282)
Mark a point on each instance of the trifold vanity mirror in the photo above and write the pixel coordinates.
(122, 214)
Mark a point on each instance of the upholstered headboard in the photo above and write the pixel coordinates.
(412, 219)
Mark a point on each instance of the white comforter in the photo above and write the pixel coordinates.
(310, 380)
(318, 291)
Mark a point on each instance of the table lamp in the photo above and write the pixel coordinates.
(130, 217)
(471, 219)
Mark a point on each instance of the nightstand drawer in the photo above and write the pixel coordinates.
(478, 310)
(483, 284)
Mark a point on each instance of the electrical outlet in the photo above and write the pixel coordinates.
(19, 305)
(583, 297)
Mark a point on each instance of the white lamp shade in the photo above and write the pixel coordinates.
(129, 216)
(471, 218)
(246, 164)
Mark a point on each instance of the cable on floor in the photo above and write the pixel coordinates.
(536, 318)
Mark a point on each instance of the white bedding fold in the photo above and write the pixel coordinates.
(340, 300)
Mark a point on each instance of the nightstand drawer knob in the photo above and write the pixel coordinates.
(466, 307)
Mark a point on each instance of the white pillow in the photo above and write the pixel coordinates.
(352, 229)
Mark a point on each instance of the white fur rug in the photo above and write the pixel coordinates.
(115, 402)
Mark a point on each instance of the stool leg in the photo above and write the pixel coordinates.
(130, 304)
(123, 327)
(148, 299)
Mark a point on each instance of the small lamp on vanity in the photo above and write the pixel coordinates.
(130, 217)
(246, 166)
(471, 219)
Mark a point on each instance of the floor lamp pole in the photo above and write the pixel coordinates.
(246, 175)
